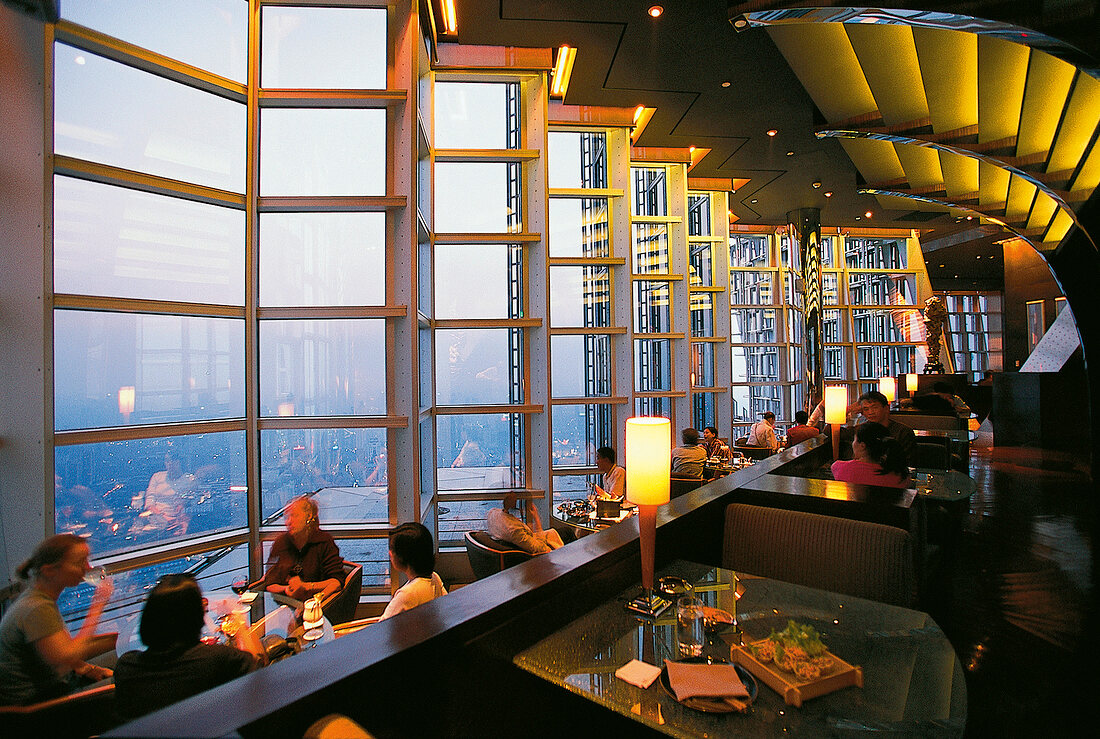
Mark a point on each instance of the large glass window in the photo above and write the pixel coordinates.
(479, 451)
(473, 366)
(578, 431)
(578, 159)
(580, 296)
(477, 197)
(495, 269)
(476, 115)
(578, 227)
(580, 366)
(343, 48)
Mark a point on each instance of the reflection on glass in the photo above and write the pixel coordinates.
(790, 254)
(322, 259)
(573, 487)
(123, 243)
(701, 264)
(827, 245)
(699, 215)
(125, 494)
(876, 253)
(873, 362)
(208, 34)
(755, 363)
(832, 326)
(578, 159)
(877, 288)
(488, 266)
(752, 326)
(427, 460)
(474, 366)
(580, 296)
(702, 315)
(424, 278)
(426, 367)
(342, 48)
(112, 369)
(835, 366)
(477, 197)
(749, 287)
(580, 366)
(328, 367)
(578, 431)
(1036, 324)
(578, 227)
(650, 191)
(652, 365)
(456, 517)
(373, 555)
(887, 325)
(794, 289)
(655, 407)
(650, 248)
(479, 451)
(474, 115)
(322, 151)
(749, 251)
(348, 467)
(702, 364)
(795, 365)
(113, 114)
(703, 411)
(652, 305)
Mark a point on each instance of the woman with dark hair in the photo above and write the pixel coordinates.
(175, 664)
(878, 459)
(412, 552)
(38, 657)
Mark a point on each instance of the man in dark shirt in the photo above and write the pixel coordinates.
(305, 560)
(875, 408)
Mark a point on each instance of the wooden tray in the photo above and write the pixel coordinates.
(793, 689)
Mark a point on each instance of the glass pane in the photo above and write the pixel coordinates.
(790, 254)
(702, 315)
(873, 362)
(342, 48)
(750, 401)
(347, 466)
(650, 191)
(573, 487)
(491, 267)
(832, 326)
(794, 290)
(749, 251)
(702, 364)
(426, 367)
(655, 407)
(795, 327)
(830, 288)
(650, 248)
(112, 369)
(653, 311)
(374, 555)
(701, 264)
(114, 114)
(578, 431)
(332, 367)
(322, 151)
(577, 159)
(876, 288)
(795, 367)
(752, 325)
(474, 115)
(699, 215)
(322, 259)
(456, 517)
(475, 366)
(652, 365)
(424, 278)
(887, 325)
(122, 243)
(477, 197)
(703, 410)
(578, 227)
(125, 494)
(427, 461)
(751, 288)
(580, 296)
(209, 34)
(580, 366)
(876, 253)
(827, 245)
(755, 363)
(479, 451)
(836, 368)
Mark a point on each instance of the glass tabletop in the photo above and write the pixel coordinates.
(946, 485)
(913, 682)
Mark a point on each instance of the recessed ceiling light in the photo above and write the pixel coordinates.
(754, 201)
(741, 22)
(816, 184)
(858, 217)
(970, 218)
(868, 214)
(726, 83)
(772, 132)
(941, 265)
(978, 257)
(691, 149)
(791, 154)
(656, 10)
(638, 112)
(829, 194)
(956, 277)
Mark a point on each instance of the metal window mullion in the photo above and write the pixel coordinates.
(252, 291)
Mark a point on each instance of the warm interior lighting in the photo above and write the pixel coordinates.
(691, 149)
(286, 409)
(829, 194)
(126, 401)
(450, 20)
(816, 184)
(888, 386)
(638, 112)
(868, 214)
(911, 382)
(772, 132)
(726, 83)
(563, 68)
(648, 465)
(836, 404)
(656, 10)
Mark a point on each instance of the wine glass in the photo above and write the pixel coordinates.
(239, 586)
(95, 576)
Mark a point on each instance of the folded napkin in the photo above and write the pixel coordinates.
(638, 673)
(702, 680)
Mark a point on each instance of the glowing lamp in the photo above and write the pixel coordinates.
(836, 413)
(126, 401)
(911, 383)
(648, 466)
(888, 386)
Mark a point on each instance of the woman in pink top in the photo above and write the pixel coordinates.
(878, 459)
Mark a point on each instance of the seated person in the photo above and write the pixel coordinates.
(763, 433)
(712, 445)
(39, 660)
(875, 408)
(801, 430)
(688, 459)
(533, 539)
(614, 476)
(878, 459)
(412, 553)
(175, 664)
(932, 403)
(305, 560)
(945, 391)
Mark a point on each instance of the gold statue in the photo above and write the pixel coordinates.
(935, 320)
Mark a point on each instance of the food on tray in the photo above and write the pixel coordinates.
(764, 651)
(797, 649)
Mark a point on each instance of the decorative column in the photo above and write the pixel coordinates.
(805, 226)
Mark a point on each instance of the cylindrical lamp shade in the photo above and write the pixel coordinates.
(888, 386)
(648, 461)
(911, 382)
(126, 400)
(836, 404)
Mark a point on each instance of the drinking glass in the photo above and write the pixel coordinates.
(689, 626)
(95, 576)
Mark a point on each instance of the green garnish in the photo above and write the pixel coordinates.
(802, 636)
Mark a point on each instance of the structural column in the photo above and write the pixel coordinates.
(805, 227)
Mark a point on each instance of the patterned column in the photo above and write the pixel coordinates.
(805, 227)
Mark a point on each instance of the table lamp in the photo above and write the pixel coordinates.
(888, 386)
(126, 402)
(911, 383)
(836, 413)
(648, 468)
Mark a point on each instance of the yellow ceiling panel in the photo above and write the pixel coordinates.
(949, 66)
(889, 202)
(1058, 228)
(1043, 211)
(1080, 122)
(1048, 82)
(921, 164)
(1089, 177)
(1002, 72)
(888, 57)
(822, 58)
(876, 160)
(1021, 194)
(960, 175)
(992, 184)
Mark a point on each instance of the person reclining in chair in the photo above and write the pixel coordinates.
(506, 527)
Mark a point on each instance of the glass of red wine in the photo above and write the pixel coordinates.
(239, 586)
